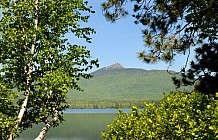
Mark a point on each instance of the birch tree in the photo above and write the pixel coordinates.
(38, 62)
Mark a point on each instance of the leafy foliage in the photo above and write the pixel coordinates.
(38, 60)
(178, 116)
(8, 111)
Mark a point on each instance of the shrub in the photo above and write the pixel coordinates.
(178, 116)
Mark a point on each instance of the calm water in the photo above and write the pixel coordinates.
(80, 124)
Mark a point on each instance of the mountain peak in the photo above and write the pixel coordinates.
(114, 66)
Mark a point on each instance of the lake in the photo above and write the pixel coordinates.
(80, 124)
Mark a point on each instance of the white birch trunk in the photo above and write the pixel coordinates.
(47, 126)
(29, 75)
(45, 129)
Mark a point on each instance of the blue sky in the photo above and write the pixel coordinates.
(119, 42)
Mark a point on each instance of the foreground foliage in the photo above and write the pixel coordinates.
(8, 111)
(39, 62)
(178, 116)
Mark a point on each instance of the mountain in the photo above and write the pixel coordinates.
(114, 66)
(116, 84)
(109, 69)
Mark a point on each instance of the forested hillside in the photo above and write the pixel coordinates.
(116, 86)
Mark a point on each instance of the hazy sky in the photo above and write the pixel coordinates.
(120, 42)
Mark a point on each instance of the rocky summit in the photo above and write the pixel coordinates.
(114, 66)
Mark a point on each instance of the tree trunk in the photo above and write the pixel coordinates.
(45, 129)
(48, 125)
(29, 76)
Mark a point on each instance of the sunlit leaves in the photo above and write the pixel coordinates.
(178, 116)
(8, 110)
